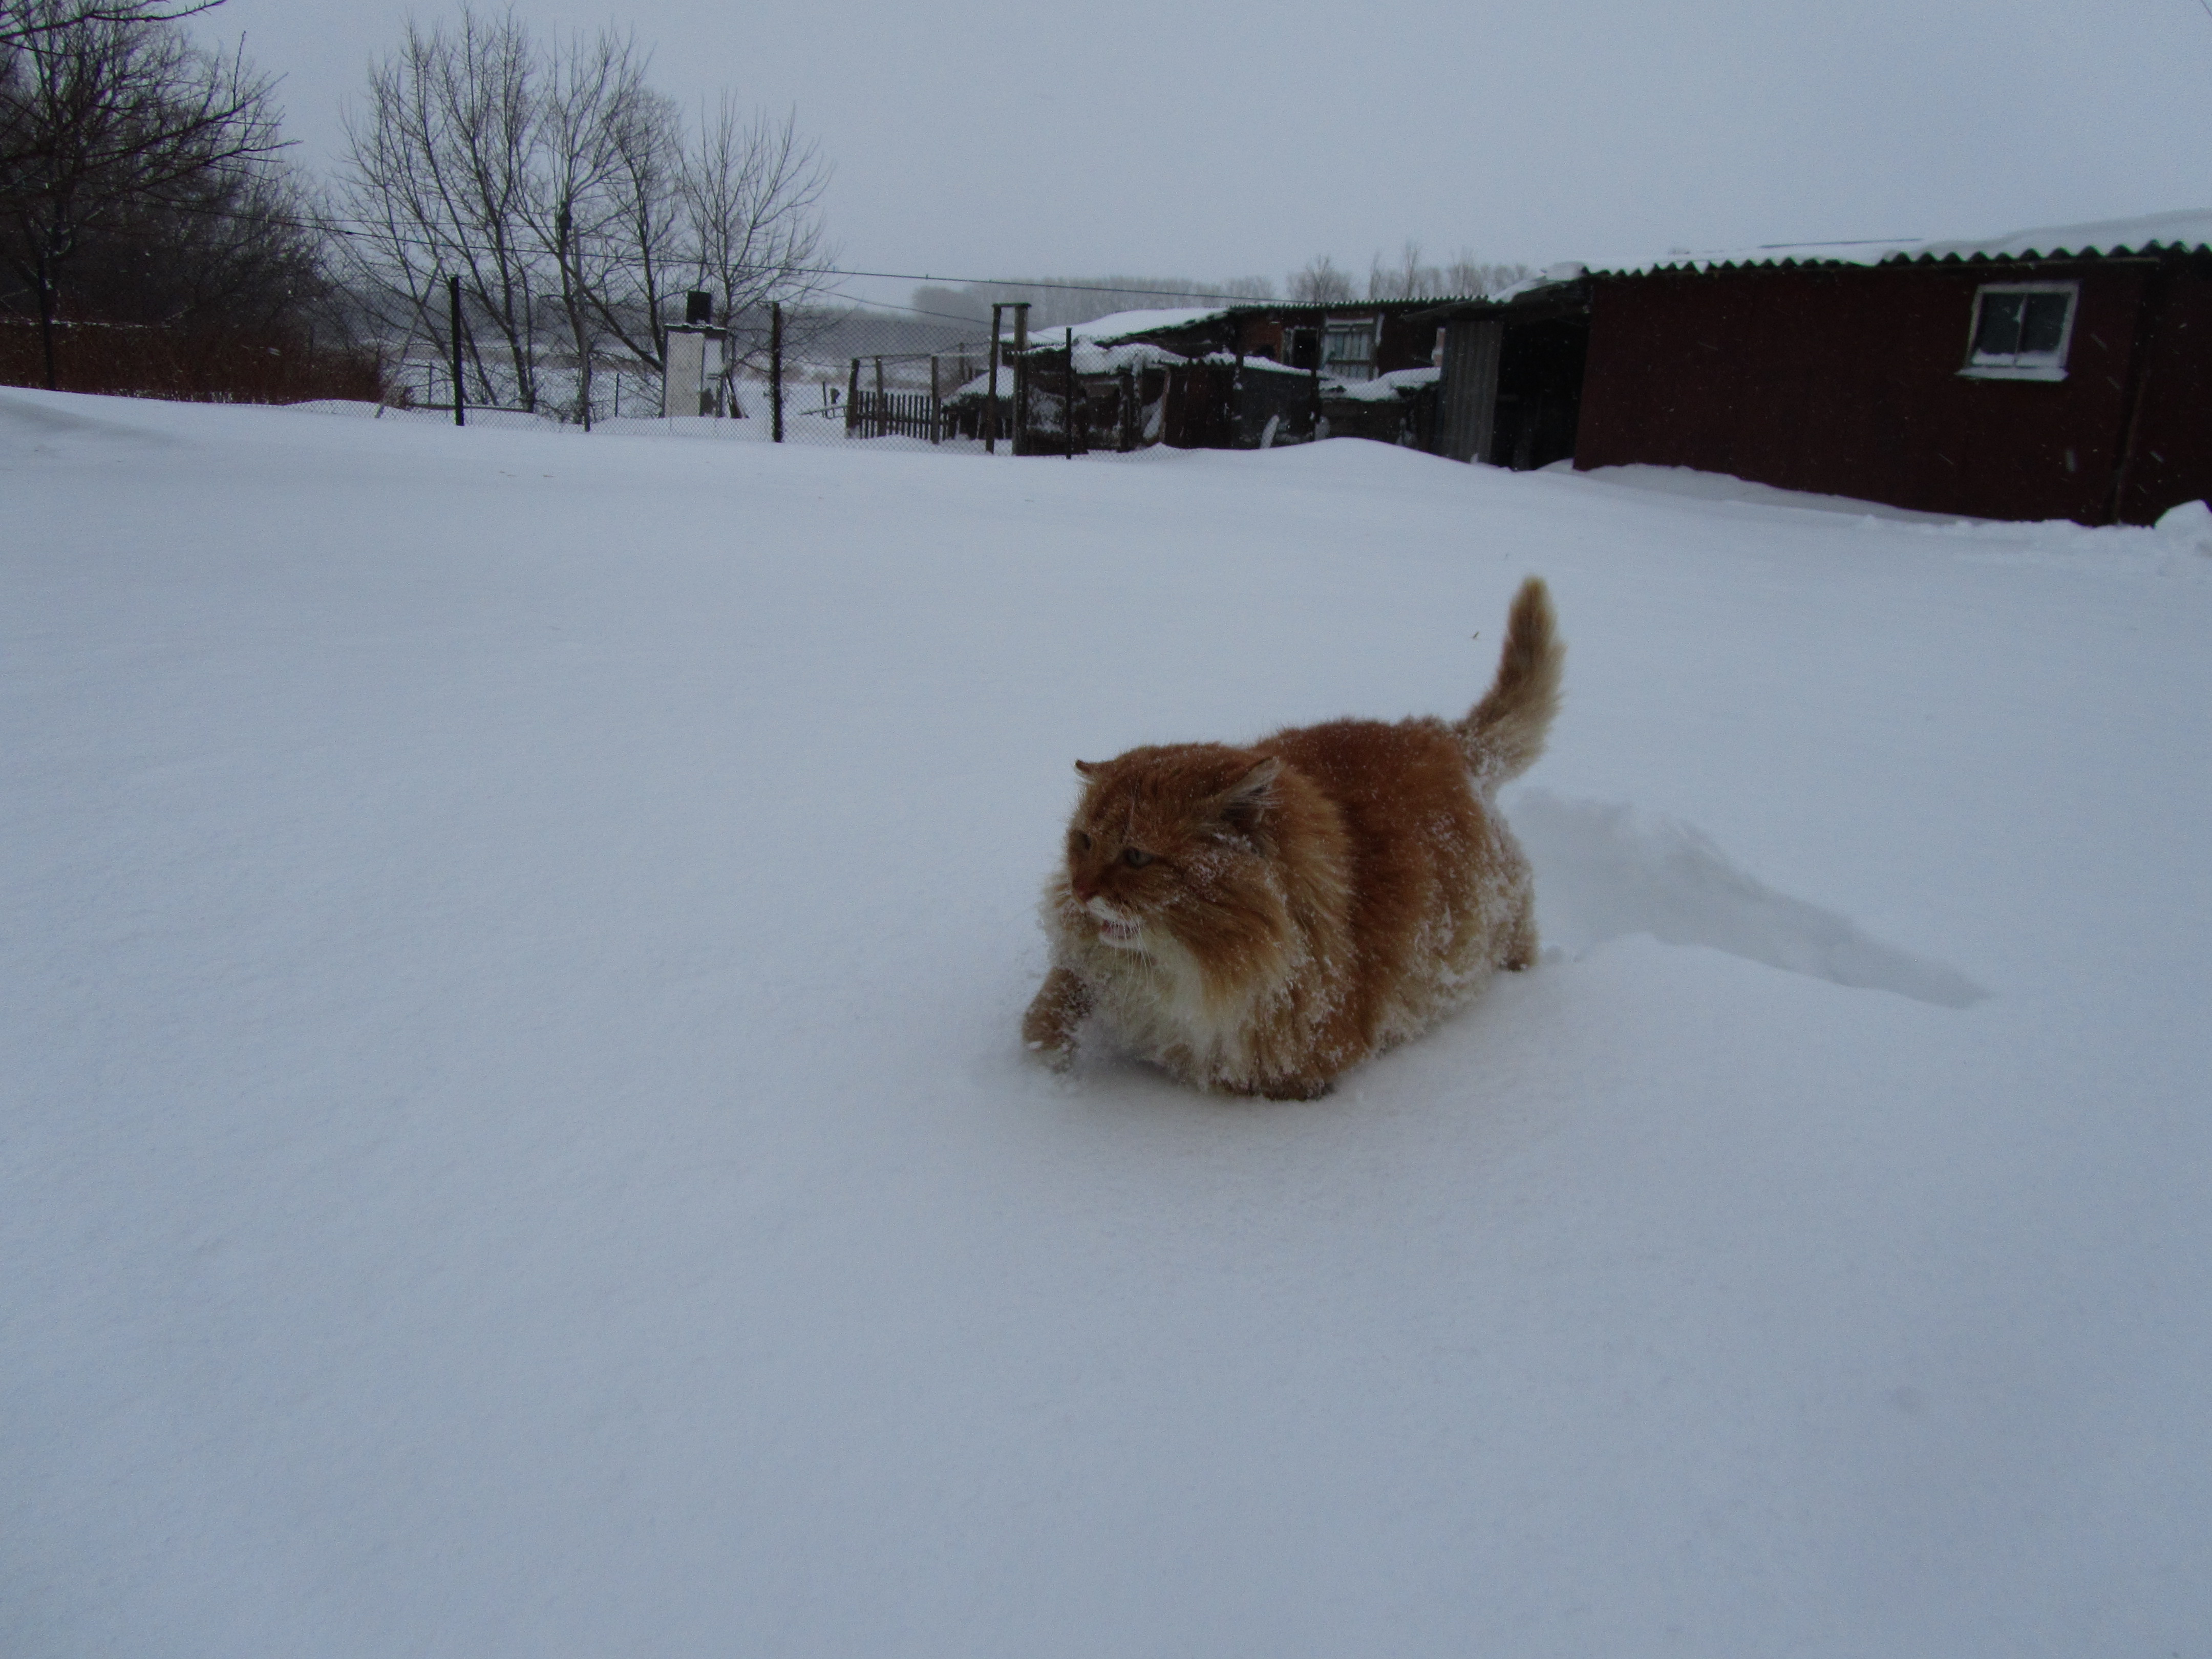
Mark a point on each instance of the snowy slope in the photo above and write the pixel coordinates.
(513, 1142)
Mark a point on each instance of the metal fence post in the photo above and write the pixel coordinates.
(1067, 416)
(453, 309)
(775, 366)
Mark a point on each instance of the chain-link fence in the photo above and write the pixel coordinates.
(889, 400)
(1062, 394)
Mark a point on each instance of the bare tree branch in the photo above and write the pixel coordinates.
(20, 21)
(102, 116)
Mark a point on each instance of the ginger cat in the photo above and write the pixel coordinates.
(1257, 919)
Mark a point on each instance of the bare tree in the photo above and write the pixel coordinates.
(438, 183)
(239, 251)
(1320, 284)
(589, 103)
(1409, 279)
(102, 114)
(646, 227)
(1468, 274)
(752, 194)
(558, 185)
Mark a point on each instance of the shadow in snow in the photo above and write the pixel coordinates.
(33, 419)
(1602, 873)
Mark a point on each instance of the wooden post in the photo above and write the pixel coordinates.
(991, 397)
(776, 367)
(1067, 416)
(883, 409)
(853, 399)
(1129, 416)
(936, 406)
(453, 314)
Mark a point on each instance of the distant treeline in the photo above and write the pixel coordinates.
(1063, 302)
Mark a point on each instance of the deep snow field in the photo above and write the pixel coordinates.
(513, 1139)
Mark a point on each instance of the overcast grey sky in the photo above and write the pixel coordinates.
(985, 138)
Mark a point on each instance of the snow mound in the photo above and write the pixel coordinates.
(2190, 522)
(1602, 874)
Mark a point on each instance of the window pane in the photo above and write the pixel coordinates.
(1998, 334)
(2043, 325)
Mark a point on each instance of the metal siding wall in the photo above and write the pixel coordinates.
(1847, 383)
(2171, 459)
(1468, 394)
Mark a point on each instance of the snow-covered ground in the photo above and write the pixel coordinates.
(515, 1142)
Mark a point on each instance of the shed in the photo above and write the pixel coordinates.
(1512, 372)
(2064, 372)
(1242, 376)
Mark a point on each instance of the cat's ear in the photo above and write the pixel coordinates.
(1089, 770)
(1246, 802)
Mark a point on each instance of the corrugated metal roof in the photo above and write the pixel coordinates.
(1130, 324)
(2189, 230)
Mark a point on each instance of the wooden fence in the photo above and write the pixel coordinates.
(894, 414)
(149, 361)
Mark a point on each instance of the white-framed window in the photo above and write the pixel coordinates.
(1348, 350)
(2021, 331)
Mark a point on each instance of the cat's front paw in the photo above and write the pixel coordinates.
(1050, 1027)
(1058, 1055)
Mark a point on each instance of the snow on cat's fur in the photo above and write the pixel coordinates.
(1259, 918)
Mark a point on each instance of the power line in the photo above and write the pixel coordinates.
(368, 230)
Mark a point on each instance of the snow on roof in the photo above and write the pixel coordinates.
(1398, 383)
(1094, 358)
(1254, 361)
(982, 383)
(2190, 229)
(1104, 330)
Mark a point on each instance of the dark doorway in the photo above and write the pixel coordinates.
(1540, 393)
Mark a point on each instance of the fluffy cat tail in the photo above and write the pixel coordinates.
(1504, 732)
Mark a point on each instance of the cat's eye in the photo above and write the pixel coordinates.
(1082, 841)
(1134, 858)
